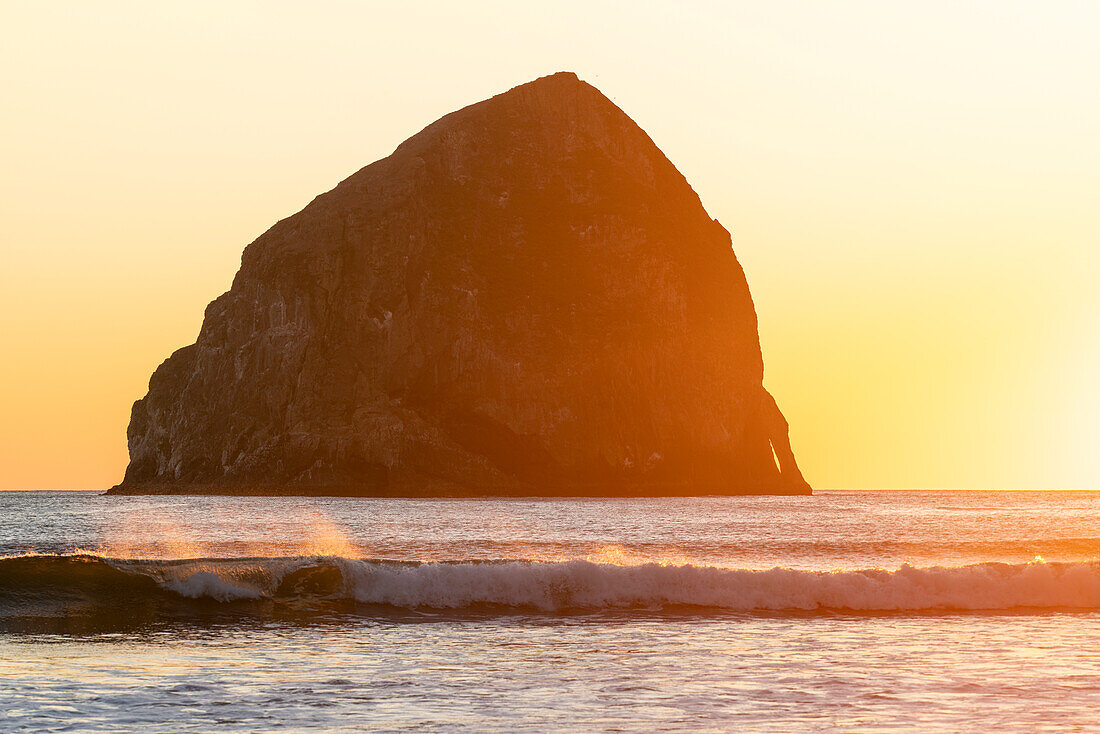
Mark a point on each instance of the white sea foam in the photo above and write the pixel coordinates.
(579, 584)
(212, 585)
(582, 585)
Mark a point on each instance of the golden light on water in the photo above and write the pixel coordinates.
(912, 191)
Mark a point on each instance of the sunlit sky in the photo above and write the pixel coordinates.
(912, 189)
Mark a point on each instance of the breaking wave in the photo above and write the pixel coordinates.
(62, 591)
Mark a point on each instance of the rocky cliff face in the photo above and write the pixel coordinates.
(525, 298)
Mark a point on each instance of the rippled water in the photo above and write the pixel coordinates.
(882, 611)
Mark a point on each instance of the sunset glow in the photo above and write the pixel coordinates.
(526, 368)
(911, 189)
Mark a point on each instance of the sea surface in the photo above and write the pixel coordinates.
(845, 611)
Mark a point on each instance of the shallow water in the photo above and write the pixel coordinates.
(883, 611)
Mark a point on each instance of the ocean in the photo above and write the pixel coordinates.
(845, 611)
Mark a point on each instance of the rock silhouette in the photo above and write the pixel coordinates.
(525, 298)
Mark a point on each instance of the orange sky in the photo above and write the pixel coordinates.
(912, 189)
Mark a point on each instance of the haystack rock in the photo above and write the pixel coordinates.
(526, 298)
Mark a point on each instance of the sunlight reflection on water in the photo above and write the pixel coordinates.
(611, 670)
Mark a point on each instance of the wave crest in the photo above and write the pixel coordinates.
(584, 586)
(79, 587)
